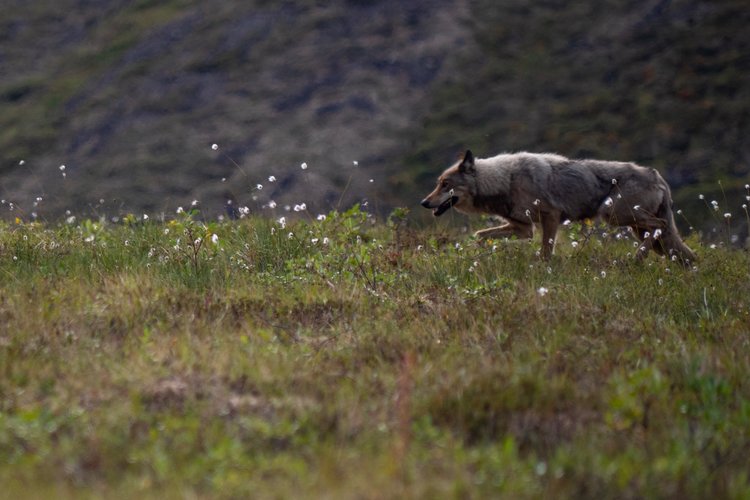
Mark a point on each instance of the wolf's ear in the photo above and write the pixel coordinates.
(467, 164)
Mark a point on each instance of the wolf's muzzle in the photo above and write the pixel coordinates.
(438, 211)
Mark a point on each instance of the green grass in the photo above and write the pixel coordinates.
(385, 362)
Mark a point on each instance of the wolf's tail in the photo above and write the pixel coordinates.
(671, 242)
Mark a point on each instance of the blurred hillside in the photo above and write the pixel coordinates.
(131, 95)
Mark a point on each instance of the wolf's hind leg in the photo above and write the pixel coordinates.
(520, 231)
(550, 222)
(646, 242)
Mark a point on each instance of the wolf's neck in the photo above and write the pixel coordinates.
(491, 178)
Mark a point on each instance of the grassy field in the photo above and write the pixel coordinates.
(353, 358)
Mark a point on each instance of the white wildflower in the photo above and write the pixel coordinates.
(62, 168)
(303, 166)
(603, 274)
(198, 241)
(679, 212)
(259, 186)
(701, 197)
(727, 215)
(566, 222)
(180, 210)
(614, 181)
(536, 202)
(214, 146)
(372, 180)
(271, 204)
(89, 238)
(290, 235)
(194, 203)
(145, 216)
(271, 178)
(321, 217)
(355, 163)
(215, 239)
(608, 202)
(542, 291)
(326, 241)
(637, 207)
(314, 241)
(574, 244)
(713, 246)
(282, 222)
(657, 233)
(22, 162)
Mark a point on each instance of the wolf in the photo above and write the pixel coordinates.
(547, 189)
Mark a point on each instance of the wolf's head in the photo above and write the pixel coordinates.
(452, 187)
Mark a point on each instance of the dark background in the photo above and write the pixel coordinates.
(130, 95)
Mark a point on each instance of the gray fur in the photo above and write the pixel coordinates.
(528, 188)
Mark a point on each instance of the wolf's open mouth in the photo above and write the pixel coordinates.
(445, 206)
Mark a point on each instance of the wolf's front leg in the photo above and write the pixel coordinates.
(520, 231)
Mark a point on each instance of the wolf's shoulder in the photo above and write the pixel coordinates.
(524, 158)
